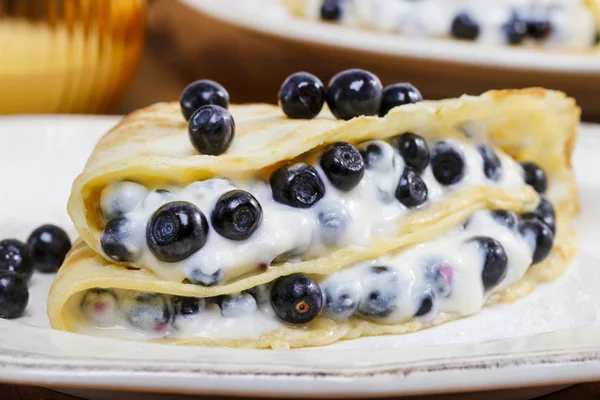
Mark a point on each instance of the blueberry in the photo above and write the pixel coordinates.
(464, 26)
(297, 185)
(202, 93)
(211, 130)
(506, 218)
(118, 240)
(296, 298)
(413, 149)
(379, 155)
(237, 305)
(379, 300)
(353, 93)
(398, 94)
(535, 176)
(426, 303)
(176, 231)
(146, 311)
(15, 256)
(495, 262)
(236, 215)
(372, 154)
(411, 190)
(197, 277)
(515, 30)
(492, 167)
(100, 306)
(120, 198)
(341, 299)
(14, 295)
(49, 246)
(538, 28)
(343, 165)
(157, 198)
(302, 96)
(447, 163)
(539, 237)
(441, 277)
(261, 293)
(334, 221)
(544, 213)
(187, 306)
(331, 10)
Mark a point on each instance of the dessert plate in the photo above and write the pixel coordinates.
(549, 338)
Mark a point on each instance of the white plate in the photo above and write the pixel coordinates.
(551, 337)
(265, 16)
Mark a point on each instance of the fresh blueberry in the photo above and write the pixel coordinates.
(545, 213)
(202, 93)
(296, 298)
(302, 96)
(14, 295)
(492, 167)
(426, 304)
(398, 94)
(464, 26)
(341, 299)
(413, 149)
(343, 165)
(506, 218)
(379, 300)
(441, 277)
(157, 198)
(372, 153)
(238, 305)
(515, 30)
(261, 293)
(411, 190)
(539, 237)
(297, 185)
(447, 163)
(211, 130)
(118, 240)
(495, 262)
(120, 198)
(187, 306)
(100, 306)
(334, 221)
(49, 246)
(331, 10)
(535, 176)
(146, 311)
(353, 93)
(197, 277)
(15, 256)
(176, 231)
(538, 28)
(236, 215)
(378, 155)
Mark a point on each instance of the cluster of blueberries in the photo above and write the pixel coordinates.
(45, 250)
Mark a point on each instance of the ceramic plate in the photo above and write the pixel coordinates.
(551, 337)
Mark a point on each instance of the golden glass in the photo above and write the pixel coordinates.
(67, 56)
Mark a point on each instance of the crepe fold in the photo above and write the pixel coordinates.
(151, 146)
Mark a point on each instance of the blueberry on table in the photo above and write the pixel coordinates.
(49, 246)
(120, 198)
(331, 10)
(341, 300)
(398, 94)
(343, 165)
(119, 240)
(297, 185)
(15, 256)
(495, 261)
(492, 167)
(198, 277)
(353, 93)
(202, 93)
(14, 295)
(100, 306)
(544, 213)
(187, 306)
(411, 190)
(506, 218)
(236, 215)
(146, 311)
(296, 298)
(211, 130)
(237, 305)
(413, 149)
(464, 26)
(447, 163)
(302, 96)
(515, 30)
(535, 176)
(539, 237)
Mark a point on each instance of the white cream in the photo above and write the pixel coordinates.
(367, 211)
(573, 23)
(459, 292)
